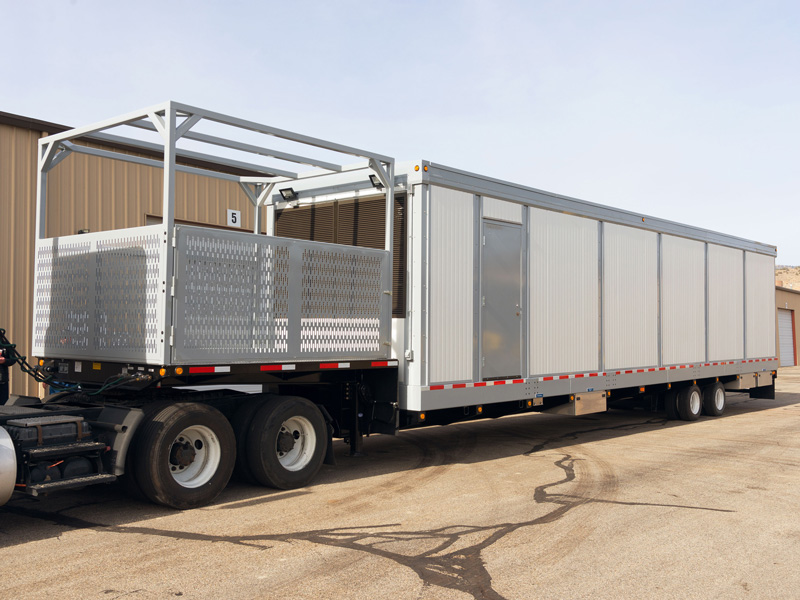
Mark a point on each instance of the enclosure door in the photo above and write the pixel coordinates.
(501, 298)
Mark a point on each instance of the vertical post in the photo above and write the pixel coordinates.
(389, 245)
(41, 191)
(168, 212)
(271, 219)
(708, 354)
(600, 308)
(660, 304)
(257, 210)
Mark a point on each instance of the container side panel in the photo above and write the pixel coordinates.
(563, 293)
(502, 210)
(725, 303)
(451, 285)
(683, 304)
(760, 305)
(630, 297)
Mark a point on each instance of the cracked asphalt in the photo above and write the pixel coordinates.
(623, 504)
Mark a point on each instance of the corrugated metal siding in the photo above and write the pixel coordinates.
(450, 320)
(760, 305)
(683, 300)
(725, 303)
(17, 253)
(502, 210)
(87, 192)
(563, 293)
(358, 222)
(630, 297)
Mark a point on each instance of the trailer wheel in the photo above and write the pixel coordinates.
(286, 442)
(714, 399)
(690, 403)
(241, 421)
(185, 455)
(671, 404)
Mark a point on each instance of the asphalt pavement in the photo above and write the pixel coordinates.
(623, 504)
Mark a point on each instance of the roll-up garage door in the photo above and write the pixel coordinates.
(786, 337)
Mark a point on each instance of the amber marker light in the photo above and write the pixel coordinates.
(480, 409)
(530, 403)
(179, 371)
(162, 371)
(425, 168)
(416, 167)
(669, 386)
(641, 390)
(421, 416)
(41, 362)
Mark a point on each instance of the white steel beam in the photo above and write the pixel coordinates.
(260, 150)
(281, 133)
(106, 137)
(71, 134)
(148, 162)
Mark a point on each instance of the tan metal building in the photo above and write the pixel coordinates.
(80, 194)
(788, 301)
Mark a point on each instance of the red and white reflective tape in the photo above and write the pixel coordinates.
(278, 367)
(384, 363)
(209, 370)
(335, 365)
(574, 376)
(477, 384)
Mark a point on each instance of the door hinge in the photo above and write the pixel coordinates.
(172, 335)
(174, 286)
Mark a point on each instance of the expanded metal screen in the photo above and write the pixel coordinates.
(101, 295)
(242, 297)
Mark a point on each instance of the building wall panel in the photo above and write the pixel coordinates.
(630, 297)
(564, 301)
(502, 210)
(17, 216)
(683, 300)
(725, 303)
(760, 305)
(450, 321)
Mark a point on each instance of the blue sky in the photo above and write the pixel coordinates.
(688, 111)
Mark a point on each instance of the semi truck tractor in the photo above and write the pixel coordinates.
(370, 297)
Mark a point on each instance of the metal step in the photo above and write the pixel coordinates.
(66, 484)
(39, 452)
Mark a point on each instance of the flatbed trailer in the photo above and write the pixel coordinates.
(457, 297)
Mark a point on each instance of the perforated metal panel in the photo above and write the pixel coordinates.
(241, 297)
(101, 295)
(341, 306)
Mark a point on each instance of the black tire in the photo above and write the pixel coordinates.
(241, 421)
(714, 399)
(671, 404)
(184, 455)
(690, 403)
(128, 479)
(286, 442)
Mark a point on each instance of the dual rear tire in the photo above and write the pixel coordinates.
(690, 402)
(185, 453)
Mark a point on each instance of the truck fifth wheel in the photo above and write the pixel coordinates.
(376, 297)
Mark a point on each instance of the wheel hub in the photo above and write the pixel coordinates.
(285, 441)
(182, 454)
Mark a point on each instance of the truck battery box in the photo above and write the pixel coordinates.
(47, 431)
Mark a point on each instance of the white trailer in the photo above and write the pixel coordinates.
(457, 296)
